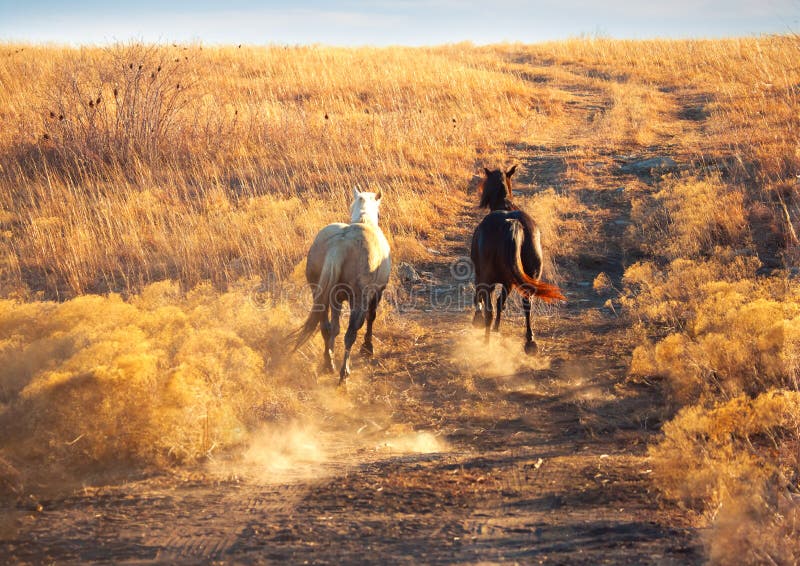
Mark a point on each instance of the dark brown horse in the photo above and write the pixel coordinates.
(507, 251)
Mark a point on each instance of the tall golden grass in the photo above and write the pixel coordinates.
(749, 85)
(136, 163)
(132, 164)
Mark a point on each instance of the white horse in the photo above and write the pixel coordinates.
(347, 262)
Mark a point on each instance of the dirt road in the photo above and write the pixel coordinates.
(537, 460)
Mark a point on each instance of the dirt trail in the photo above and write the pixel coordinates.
(545, 458)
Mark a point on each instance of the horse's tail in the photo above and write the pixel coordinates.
(328, 279)
(524, 283)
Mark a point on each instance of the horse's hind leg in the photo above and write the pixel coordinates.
(477, 319)
(357, 315)
(330, 330)
(366, 347)
(501, 303)
(325, 328)
(483, 296)
(487, 314)
(530, 346)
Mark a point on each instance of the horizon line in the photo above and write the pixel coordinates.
(5, 42)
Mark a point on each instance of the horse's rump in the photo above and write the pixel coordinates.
(526, 285)
(344, 261)
(506, 249)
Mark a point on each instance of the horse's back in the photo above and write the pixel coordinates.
(363, 248)
(319, 249)
(498, 217)
(375, 264)
(495, 225)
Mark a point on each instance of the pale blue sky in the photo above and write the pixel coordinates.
(385, 22)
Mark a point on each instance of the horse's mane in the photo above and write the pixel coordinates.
(495, 195)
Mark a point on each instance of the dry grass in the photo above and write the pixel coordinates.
(193, 156)
(727, 345)
(689, 218)
(177, 183)
(565, 224)
(749, 85)
(163, 377)
(738, 462)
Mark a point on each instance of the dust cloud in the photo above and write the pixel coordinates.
(504, 356)
(283, 453)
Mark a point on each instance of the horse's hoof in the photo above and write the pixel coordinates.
(531, 348)
(366, 350)
(342, 386)
(327, 367)
(477, 320)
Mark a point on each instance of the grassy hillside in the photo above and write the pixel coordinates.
(132, 164)
(146, 192)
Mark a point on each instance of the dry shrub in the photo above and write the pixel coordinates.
(728, 346)
(738, 463)
(121, 103)
(689, 218)
(164, 377)
(762, 527)
(668, 298)
(711, 454)
(733, 344)
(603, 285)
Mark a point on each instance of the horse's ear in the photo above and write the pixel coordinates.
(356, 192)
(487, 171)
(511, 171)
